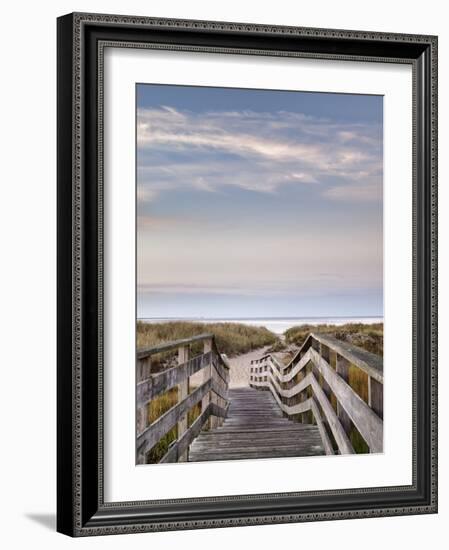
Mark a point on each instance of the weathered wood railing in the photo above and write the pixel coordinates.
(337, 386)
(210, 369)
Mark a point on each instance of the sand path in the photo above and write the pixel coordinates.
(239, 371)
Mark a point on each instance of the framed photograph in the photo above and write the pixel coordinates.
(247, 280)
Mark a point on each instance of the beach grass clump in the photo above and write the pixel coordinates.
(277, 347)
(231, 338)
(365, 336)
(156, 408)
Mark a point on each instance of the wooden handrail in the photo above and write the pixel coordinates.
(212, 394)
(365, 420)
(182, 444)
(370, 363)
(143, 353)
(352, 411)
(337, 430)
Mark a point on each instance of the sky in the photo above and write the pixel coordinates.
(258, 203)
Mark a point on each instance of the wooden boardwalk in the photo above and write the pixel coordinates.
(255, 428)
(328, 399)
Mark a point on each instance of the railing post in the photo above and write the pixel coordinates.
(325, 354)
(376, 397)
(143, 368)
(224, 402)
(207, 372)
(183, 392)
(214, 420)
(143, 371)
(342, 369)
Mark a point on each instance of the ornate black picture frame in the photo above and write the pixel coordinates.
(81, 509)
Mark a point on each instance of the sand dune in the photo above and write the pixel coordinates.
(239, 371)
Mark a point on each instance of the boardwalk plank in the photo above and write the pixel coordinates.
(256, 428)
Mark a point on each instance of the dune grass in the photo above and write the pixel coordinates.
(235, 339)
(231, 338)
(156, 408)
(365, 336)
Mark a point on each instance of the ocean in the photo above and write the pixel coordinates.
(278, 325)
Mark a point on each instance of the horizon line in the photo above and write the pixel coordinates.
(267, 317)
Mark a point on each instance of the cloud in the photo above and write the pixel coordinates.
(200, 258)
(146, 193)
(355, 193)
(213, 175)
(155, 222)
(260, 288)
(258, 152)
(239, 207)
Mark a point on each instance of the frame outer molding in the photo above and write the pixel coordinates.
(80, 514)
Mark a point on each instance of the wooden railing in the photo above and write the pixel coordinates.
(337, 386)
(211, 393)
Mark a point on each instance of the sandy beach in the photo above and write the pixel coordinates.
(239, 369)
(239, 372)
